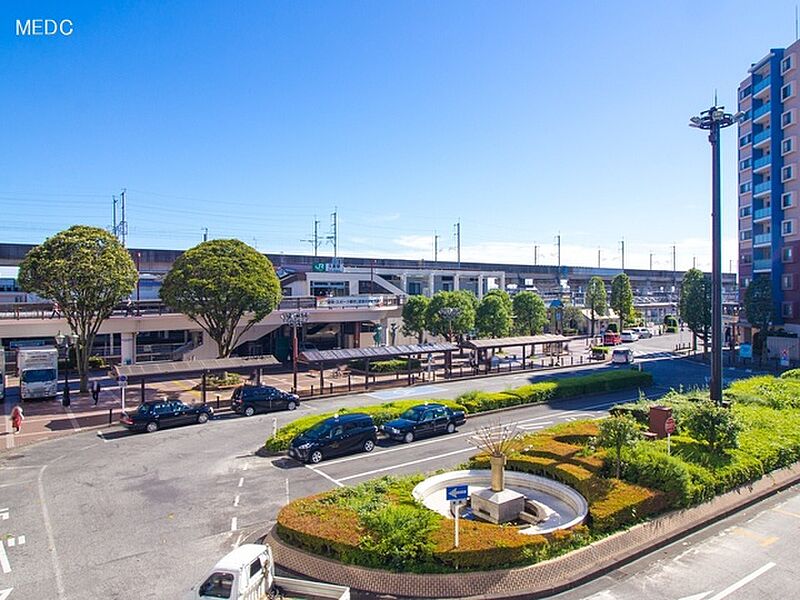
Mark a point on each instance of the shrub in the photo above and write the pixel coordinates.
(397, 365)
(714, 425)
(780, 393)
(399, 535)
(618, 432)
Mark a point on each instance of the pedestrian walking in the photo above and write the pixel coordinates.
(16, 418)
(96, 392)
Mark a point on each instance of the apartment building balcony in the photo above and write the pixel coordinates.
(760, 86)
(761, 137)
(760, 163)
(762, 188)
(762, 239)
(761, 111)
(762, 213)
(762, 264)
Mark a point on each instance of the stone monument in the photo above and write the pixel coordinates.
(496, 504)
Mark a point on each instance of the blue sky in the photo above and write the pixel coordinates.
(522, 119)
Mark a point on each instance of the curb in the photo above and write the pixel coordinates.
(541, 579)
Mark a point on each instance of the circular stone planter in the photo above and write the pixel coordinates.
(559, 506)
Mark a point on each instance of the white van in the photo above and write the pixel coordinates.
(623, 356)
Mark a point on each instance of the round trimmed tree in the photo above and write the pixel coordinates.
(225, 286)
(87, 272)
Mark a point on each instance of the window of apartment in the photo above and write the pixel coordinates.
(745, 211)
(787, 227)
(786, 309)
(786, 64)
(787, 118)
(745, 164)
(746, 234)
(787, 173)
(745, 187)
(787, 255)
(787, 145)
(787, 200)
(744, 93)
(745, 139)
(787, 281)
(745, 259)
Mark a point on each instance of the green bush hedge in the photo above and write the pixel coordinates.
(397, 365)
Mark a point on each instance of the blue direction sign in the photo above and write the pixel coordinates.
(457, 492)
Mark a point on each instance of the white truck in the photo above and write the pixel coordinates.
(38, 372)
(248, 573)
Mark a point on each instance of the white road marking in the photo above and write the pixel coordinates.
(51, 538)
(406, 464)
(743, 581)
(233, 523)
(74, 421)
(244, 467)
(325, 475)
(241, 482)
(11, 542)
(21, 540)
(5, 593)
(699, 596)
(238, 541)
(3, 514)
(4, 564)
(236, 501)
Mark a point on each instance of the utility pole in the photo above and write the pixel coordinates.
(674, 269)
(315, 239)
(435, 247)
(334, 235)
(694, 262)
(458, 242)
(535, 255)
(114, 229)
(205, 234)
(558, 242)
(622, 242)
(123, 223)
(651, 261)
(598, 257)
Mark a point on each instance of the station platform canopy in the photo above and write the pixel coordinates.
(373, 352)
(185, 367)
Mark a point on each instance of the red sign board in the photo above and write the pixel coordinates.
(669, 425)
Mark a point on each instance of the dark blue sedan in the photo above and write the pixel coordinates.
(423, 420)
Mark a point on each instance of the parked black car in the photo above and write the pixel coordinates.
(422, 420)
(250, 399)
(154, 415)
(334, 436)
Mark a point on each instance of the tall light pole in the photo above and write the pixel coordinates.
(66, 342)
(449, 314)
(294, 320)
(713, 120)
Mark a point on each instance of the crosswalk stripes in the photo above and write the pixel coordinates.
(653, 355)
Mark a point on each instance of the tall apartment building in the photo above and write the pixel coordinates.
(769, 188)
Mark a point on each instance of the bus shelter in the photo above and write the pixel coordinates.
(142, 371)
(322, 359)
(550, 344)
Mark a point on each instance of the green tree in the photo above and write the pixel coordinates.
(714, 425)
(695, 305)
(504, 297)
(622, 298)
(456, 322)
(616, 433)
(571, 317)
(530, 313)
(493, 317)
(758, 306)
(224, 286)
(87, 272)
(596, 299)
(414, 311)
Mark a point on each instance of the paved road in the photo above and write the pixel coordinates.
(143, 516)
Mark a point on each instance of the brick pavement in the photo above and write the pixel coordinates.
(542, 579)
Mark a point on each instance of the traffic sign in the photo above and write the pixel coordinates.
(457, 492)
(669, 425)
(122, 379)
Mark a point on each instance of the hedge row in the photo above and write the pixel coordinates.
(396, 365)
(477, 402)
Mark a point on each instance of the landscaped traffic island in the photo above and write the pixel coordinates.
(379, 524)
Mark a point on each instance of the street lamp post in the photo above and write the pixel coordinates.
(713, 120)
(66, 342)
(294, 320)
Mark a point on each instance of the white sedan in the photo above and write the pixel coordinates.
(629, 336)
